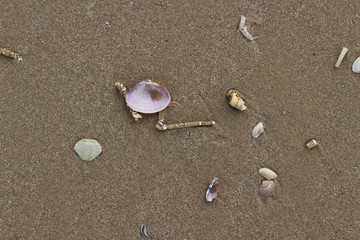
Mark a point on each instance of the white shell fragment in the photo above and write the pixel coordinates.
(212, 190)
(341, 56)
(143, 231)
(356, 66)
(88, 149)
(258, 130)
(243, 29)
(267, 188)
(267, 173)
(312, 143)
(235, 100)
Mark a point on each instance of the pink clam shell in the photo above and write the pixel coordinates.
(212, 190)
(267, 188)
(148, 97)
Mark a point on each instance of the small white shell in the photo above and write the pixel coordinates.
(258, 130)
(356, 66)
(235, 100)
(312, 143)
(212, 190)
(143, 231)
(267, 188)
(88, 149)
(267, 173)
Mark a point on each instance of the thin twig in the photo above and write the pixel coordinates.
(160, 125)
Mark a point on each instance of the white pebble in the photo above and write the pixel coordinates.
(258, 130)
(312, 143)
(88, 149)
(356, 66)
(267, 173)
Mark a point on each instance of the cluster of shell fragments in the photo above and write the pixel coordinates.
(268, 184)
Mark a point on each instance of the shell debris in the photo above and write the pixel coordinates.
(341, 56)
(88, 149)
(143, 231)
(235, 100)
(267, 188)
(267, 173)
(356, 66)
(243, 29)
(258, 130)
(212, 190)
(312, 143)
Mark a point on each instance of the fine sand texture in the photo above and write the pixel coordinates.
(64, 90)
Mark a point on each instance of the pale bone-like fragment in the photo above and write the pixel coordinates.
(341, 56)
(312, 143)
(122, 89)
(10, 54)
(243, 29)
(162, 126)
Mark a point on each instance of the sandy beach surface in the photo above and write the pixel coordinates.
(63, 91)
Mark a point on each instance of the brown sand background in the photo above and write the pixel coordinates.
(64, 91)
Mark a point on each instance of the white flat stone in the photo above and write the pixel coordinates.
(257, 130)
(356, 66)
(88, 149)
(267, 173)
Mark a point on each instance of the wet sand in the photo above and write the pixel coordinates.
(64, 91)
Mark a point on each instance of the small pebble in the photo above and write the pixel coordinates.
(267, 173)
(312, 143)
(257, 130)
(88, 149)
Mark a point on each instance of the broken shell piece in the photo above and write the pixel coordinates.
(312, 143)
(341, 56)
(267, 173)
(143, 231)
(235, 100)
(88, 149)
(258, 130)
(147, 97)
(356, 66)
(267, 188)
(10, 54)
(212, 190)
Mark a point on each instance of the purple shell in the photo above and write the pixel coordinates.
(267, 188)
(148, 97)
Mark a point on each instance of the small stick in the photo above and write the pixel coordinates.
(162, 126)
(341, 56)
(244, 30)
(122, 89)
(10, 54)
